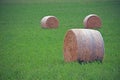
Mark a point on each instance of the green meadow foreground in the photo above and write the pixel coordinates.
(29, 52)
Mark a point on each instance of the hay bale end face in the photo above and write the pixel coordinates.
(84, 45)
(49, 22)
(92, 21)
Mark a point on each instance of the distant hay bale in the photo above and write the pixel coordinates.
(92, 21)
(49, 22)
(84, 45)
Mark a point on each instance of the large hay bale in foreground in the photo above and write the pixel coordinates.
(49, 22)
(84, 45)
(92, 21)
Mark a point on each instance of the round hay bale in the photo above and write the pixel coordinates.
(49, 22)
(84, 45)
(92, 21)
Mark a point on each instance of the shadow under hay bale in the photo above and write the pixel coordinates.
(83, 45)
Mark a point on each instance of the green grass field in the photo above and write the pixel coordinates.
(28, 52)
